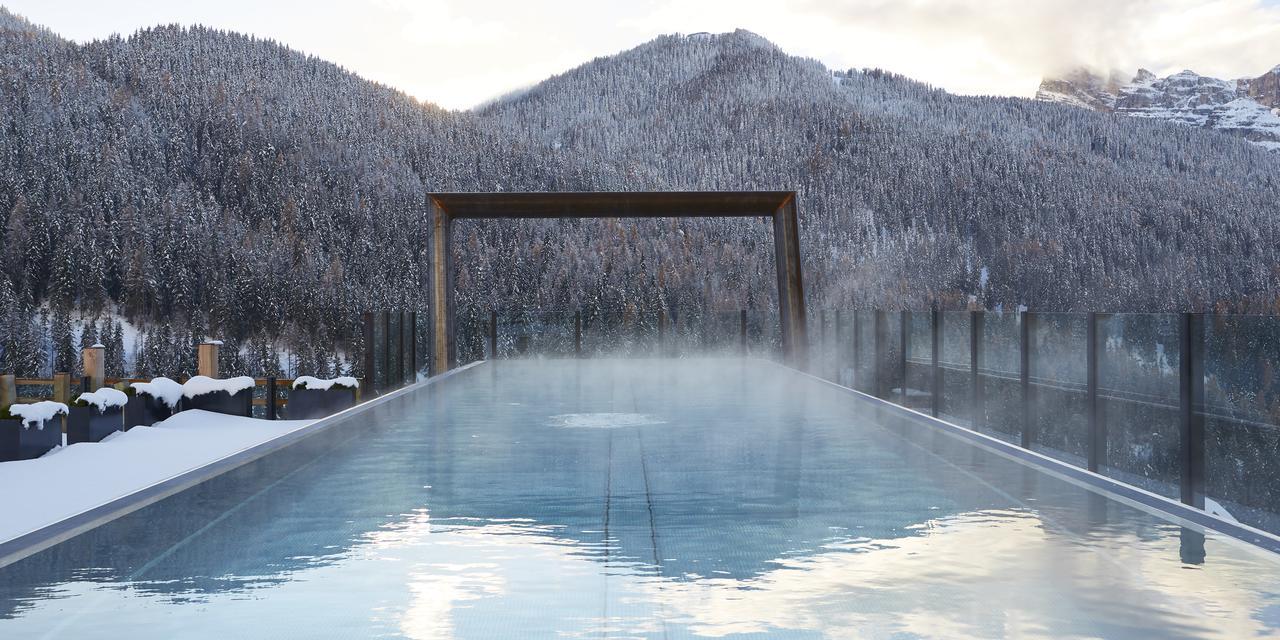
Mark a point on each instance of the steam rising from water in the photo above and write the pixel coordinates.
(604, 420)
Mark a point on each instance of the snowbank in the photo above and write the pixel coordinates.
(162, 389)
(105, 397)
(307, 382)
(37, 413)
(201, 385)
(88, 474)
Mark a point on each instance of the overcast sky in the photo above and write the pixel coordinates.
(458, 53)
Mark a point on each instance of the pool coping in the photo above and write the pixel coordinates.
(1116, 489)
(33, 542)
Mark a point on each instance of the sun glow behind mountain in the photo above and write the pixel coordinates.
(458, 54)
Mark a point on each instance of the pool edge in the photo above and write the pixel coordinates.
(50, 535)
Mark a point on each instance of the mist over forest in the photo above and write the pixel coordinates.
(192, 182)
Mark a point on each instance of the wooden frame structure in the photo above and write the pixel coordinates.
(778, 205)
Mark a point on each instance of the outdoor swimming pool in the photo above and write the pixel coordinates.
(659, 498)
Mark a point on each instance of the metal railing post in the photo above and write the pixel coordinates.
(271, 397)
(742, 332)
(386, 348)
(1024, 377)
(878, 355)
(493, 334)
(577, 334)
(857, 350)
(662, 333)
(1191, 400)
(976, 321)
(369, 379)
(1097, 437)
(935, 350)
(837, 348)
(400, 375)
(413, 346)
(904, 329)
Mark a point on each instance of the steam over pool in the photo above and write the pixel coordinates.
(604, 420)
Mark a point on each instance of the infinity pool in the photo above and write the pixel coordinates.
(639, 499)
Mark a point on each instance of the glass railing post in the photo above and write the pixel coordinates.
(1191, 399)
(577, 334)
(1024, 376)
(878, 355)
(976, 319)
(493, 334)
(1097, 439)
(370, 381)
(935, 349)
(904, 322)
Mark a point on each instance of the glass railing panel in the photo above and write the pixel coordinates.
(954, 358)
(1241, 414)
(535, 333)
(1060, 426)
(891, 365)
(1000, 371)
(1138, 399)
(862, 367)
(919, 371)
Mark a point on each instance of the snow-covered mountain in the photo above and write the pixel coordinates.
(1247, 107)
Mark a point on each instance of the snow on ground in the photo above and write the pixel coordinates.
(74, 479)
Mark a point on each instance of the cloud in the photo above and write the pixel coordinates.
(460, 52)
(1005, 46)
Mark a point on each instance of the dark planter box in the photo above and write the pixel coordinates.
(144, 411)
(239, 404)
(18, 443)
(86, 424)
(307, 404)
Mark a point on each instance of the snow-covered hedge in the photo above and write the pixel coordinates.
(162, 389)
(38, 413)
(342, 382)
(104, 398)
(200, 385)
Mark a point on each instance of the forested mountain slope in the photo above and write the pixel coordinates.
(200, 182)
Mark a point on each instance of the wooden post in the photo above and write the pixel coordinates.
(207, 358)
(791, 304)
(271, 397)
(62, 387)
(8, 389)
(441, 298)
(95, 365)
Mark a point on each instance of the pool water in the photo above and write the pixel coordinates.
(640, 499)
